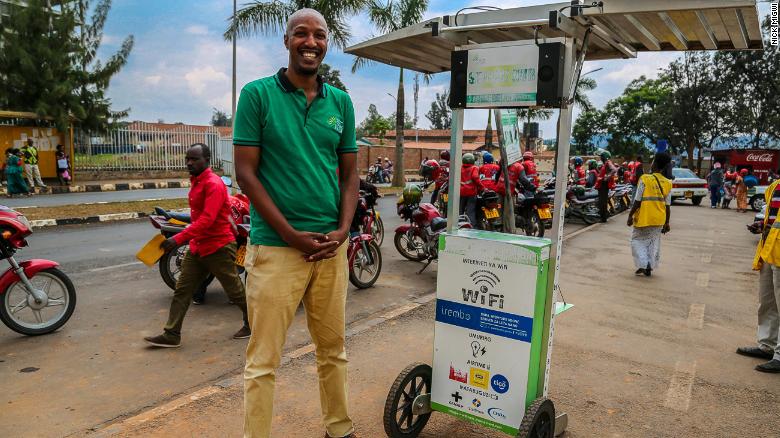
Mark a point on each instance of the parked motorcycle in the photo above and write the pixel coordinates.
(419, 239)
(363, 255)
(376, 175)
(532, 210)
(489, 216)
(370, 195)
(37, 297)
(583, 204)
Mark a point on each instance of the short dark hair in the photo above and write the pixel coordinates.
(205, 149)
(661, 160)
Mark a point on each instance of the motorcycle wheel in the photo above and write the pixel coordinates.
(378, 231)
(170, 266)
(402, 244)
(16, 304)
(534, 227)
(361, 274)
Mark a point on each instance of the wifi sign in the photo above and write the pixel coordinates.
(485, 277)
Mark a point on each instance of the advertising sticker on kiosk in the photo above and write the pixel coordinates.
(489, 314)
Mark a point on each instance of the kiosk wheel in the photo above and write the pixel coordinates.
(539, 420)
(399, 418)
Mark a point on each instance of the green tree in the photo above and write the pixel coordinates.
(36, 63)
(375, 124)
(94, 75)
(331, 76)
(220, 118)
(440, 115)
(389, 17)
(270, 17)
(580, 93)
(588, 125)
(408, 120)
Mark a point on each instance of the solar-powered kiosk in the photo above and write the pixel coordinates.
(496, 293)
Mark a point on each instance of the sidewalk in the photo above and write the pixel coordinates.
(636, 357)
(112, 185)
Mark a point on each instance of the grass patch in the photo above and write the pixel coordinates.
(84, 210)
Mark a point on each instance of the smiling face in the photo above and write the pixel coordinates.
(307, 41)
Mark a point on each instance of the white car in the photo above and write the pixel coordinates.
(688, 185)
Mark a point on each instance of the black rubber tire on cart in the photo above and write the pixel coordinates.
(539, 420)
(399, 421)
(696, 200)
(757, 202)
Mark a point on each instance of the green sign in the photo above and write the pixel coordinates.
(502, 76)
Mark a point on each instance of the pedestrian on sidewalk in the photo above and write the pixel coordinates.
(63, 175)
(212, 248)
(31, 169)
(715, 180)
(299, 225)
(605, 182)
(742, 202)
(13, 173)
(767, 261)
(649, 216)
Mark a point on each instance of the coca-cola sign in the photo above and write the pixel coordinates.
(759, 158)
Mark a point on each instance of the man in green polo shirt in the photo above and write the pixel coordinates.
(296, 160)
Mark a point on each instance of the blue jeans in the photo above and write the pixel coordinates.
(714, 195)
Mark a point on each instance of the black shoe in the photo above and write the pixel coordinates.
(773, 366)
(755, 352)
(639, 271)
(198, 300)
(162, 341)
(648, 272)
(243, 333)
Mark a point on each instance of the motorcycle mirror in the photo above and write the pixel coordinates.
(227, 181)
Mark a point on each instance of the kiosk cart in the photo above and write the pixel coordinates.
(496, 292)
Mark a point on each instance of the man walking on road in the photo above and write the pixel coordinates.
(605, 182)
(31, 169)
(299, 225)
(650, 215)
(212, 248)
(767, 261)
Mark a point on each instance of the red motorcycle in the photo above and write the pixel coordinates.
(37, 297)
(172, 223)
(419, 239)
(363, 255)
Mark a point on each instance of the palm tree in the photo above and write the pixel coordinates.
(580, 98)
(270, 17)
(390, 17)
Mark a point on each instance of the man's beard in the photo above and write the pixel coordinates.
(305, 71)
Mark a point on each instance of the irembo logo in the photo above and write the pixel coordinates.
(774, 24)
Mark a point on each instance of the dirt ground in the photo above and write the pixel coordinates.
(636, 357)
(85, 210)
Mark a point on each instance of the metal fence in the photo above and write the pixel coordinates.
(225, 149)
(147, 146)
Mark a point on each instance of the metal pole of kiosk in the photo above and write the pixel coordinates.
(456, 146)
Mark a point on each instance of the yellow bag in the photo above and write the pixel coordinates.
(151, 252)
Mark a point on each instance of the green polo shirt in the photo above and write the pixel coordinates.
(300, 149)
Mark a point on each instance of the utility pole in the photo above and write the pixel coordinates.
(233, 113)
(416, 97)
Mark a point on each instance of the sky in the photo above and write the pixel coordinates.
(180, 67)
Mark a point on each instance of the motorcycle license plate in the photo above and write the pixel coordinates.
(689, 194)
(240, 254)
(544, 213)
(491, 213)
(445, 197)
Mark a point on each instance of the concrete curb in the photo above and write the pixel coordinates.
(41, 223)
(355, 328)
(116, 187)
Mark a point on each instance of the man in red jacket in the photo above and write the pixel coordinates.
(470, 187)
(212, 248)
(488, 171)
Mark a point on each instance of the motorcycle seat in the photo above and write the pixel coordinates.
(589, 194)
(438, 223)
(183, 217)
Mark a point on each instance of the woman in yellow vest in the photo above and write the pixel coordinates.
(649, 216)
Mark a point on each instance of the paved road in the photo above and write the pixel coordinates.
(97, 368)
(92, 197)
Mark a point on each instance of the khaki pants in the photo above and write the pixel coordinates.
(33, 174)
(194, 270)
(769, 309)
(279, 279)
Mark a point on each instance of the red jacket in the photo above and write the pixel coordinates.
(442, 174)
(514, 170)
(470, 183)
(605, 170)
(211, 228)
(530, 172)
(487, 172)
(579, 174)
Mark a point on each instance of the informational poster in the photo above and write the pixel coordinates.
(510, 135)
(489, 314)
(502, 76)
